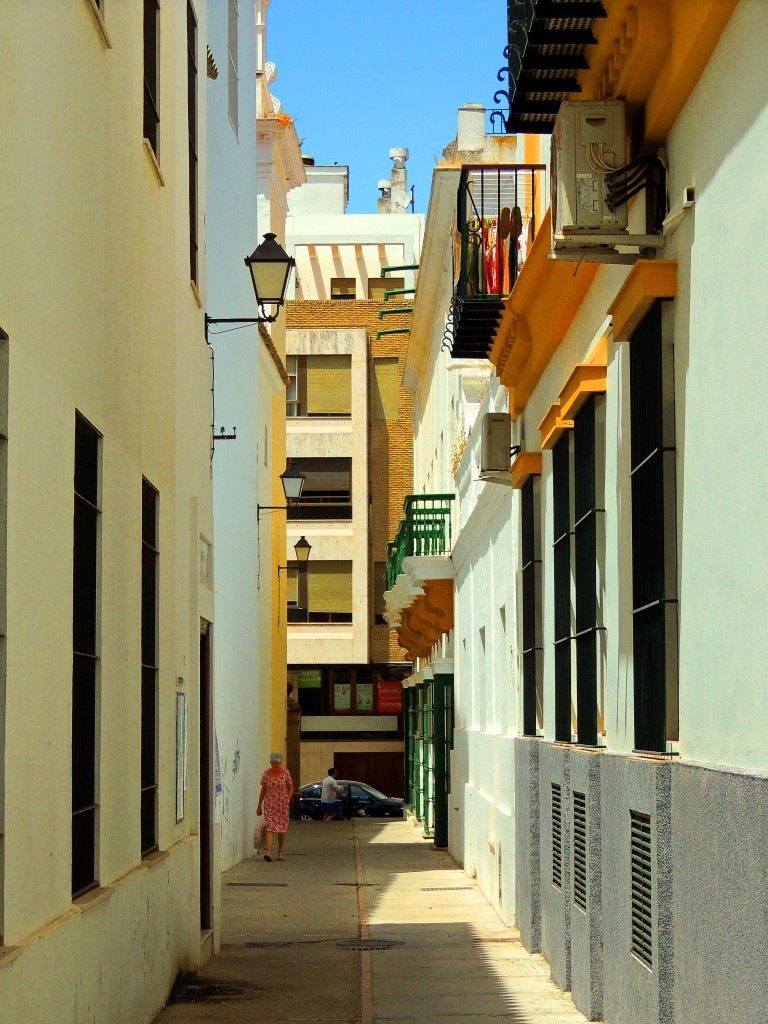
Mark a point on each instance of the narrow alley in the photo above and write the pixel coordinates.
(365, 923)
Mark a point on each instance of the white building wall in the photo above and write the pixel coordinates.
(242, 725)
(718, 407)
(110, 327)
(487, 675)
(720, 144)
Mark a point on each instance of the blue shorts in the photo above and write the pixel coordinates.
(330, 808)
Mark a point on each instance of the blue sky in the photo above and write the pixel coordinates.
(361, 77)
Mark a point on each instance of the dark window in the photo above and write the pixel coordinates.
(379, 588)
(151, 73)
(323, 592)
(343, 689)
(319, 385)
(557, 835)
(588, 533)
(292, 404)
(343, 288)
(327, 491)
(378, 285)
(561, 504)
(192, 132)
(149, 581)
(531, 618)
(641, 887)
(85, 560)
(654, 585)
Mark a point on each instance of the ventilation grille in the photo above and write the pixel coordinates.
(580, 850)
(642, 880)
(557, 836)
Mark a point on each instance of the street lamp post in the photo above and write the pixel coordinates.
(270, 267)
(292, 480)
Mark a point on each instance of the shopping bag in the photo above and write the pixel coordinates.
(259, 833)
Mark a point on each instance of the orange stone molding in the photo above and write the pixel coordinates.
(647, 281)
(552, 426)
(525, 465)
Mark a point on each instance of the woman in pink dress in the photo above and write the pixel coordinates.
(274, 800)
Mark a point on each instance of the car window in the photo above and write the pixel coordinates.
(361, 794)
(312, 791)
(376, 793)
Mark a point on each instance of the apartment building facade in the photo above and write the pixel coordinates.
(107, 855)
(607, 780)
(348, 431)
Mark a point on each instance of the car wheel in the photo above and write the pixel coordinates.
(306, 817)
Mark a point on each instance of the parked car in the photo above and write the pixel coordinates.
(361, 800)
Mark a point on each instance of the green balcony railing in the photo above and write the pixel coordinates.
(424, 531)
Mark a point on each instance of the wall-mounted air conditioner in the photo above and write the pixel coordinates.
(496, 444)
(593, 181)
(589, 139)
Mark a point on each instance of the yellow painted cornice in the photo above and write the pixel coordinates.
(651, 53)
(552, 426)
(537, 315)
(525, 465)
(586, 379)
(647, 281)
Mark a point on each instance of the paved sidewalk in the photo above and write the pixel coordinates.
(432, 947)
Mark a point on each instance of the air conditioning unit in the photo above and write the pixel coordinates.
(497, 442)
(588, 141)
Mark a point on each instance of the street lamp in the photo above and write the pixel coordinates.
(293, 483)
(292, 480)
(302, 547)
(270, 267)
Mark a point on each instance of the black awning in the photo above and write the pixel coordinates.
(547, 47)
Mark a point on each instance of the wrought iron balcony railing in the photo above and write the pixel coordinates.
(425, 531)
(498, 210)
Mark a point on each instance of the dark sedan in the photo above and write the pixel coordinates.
(361, 800)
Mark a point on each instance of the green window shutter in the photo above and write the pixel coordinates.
(329, 586)
(329, 385)
(386, 389)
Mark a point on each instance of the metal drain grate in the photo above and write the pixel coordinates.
(267, 945)
(369, 943)
(448, 888)
(260, 885)
(360, 884)
(201, 989)
(580, 850)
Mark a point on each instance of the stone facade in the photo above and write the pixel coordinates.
(390, 459)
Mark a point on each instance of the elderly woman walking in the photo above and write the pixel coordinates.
(274, 799)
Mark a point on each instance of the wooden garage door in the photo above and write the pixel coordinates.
(381, 769)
